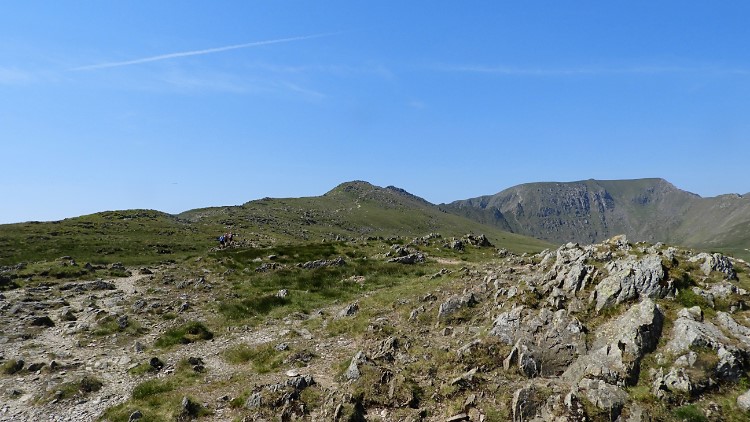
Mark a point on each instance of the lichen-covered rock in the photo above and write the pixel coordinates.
(353, 371)
(715, 262)
(619, 345)
(630, 279)
(736, 330)
(456, 303)
(690, 331)
(545, 342)
(604, 396)
(678, 380)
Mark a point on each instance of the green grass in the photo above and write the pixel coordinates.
(184, 334)
(69, 390)
(690, 413)
(151, 388)
(264, 358)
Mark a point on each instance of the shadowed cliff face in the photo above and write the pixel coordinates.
(593, 210)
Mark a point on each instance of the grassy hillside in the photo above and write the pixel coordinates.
(350, 211)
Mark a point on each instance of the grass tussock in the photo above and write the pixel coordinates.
(264, 358)
(184, 334)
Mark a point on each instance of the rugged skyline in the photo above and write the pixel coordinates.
(146, 105)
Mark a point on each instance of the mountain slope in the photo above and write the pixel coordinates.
(592, 210)
(352, 210)
(349, 211)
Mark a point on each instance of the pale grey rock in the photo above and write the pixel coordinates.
(694, 313)
(310, 265)
(743, 401)
(687, 360)
(736, 330)
(689, 331)
(456, 303)
(630, 279)
(410, 259)
(569, 272)
(604, 396)
(706, 295)
(619, 345)
(606, 363)
(676, 380)
(638, 414)
(639, 329)
(254, 401)
(545, 342)
(715, 262)
(724, 289)
(353, 371)
(619, 242)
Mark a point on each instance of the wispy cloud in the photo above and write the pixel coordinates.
(197, 52)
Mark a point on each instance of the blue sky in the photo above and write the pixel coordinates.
(178, 105)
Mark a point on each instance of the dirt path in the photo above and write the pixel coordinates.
(108, 358)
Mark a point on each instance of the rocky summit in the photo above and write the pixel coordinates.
(614, 331)
(588, 211)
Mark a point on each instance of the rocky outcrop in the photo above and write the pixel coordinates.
(715, 262)
(544, 343)
(311, 265)
(630, 279)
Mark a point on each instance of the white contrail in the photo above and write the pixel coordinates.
(197, 52)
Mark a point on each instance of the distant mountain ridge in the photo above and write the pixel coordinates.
(590, 211)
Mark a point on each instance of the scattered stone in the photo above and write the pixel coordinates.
(743, 401)
(135, 416)
(353, 371)
(254, 401)
(282, 347)
(156, 363)
(415, 258)
(349, 310)
(310, 265)
(43, 321)
(122, 322)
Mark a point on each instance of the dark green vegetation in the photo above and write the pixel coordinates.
(589, 211)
